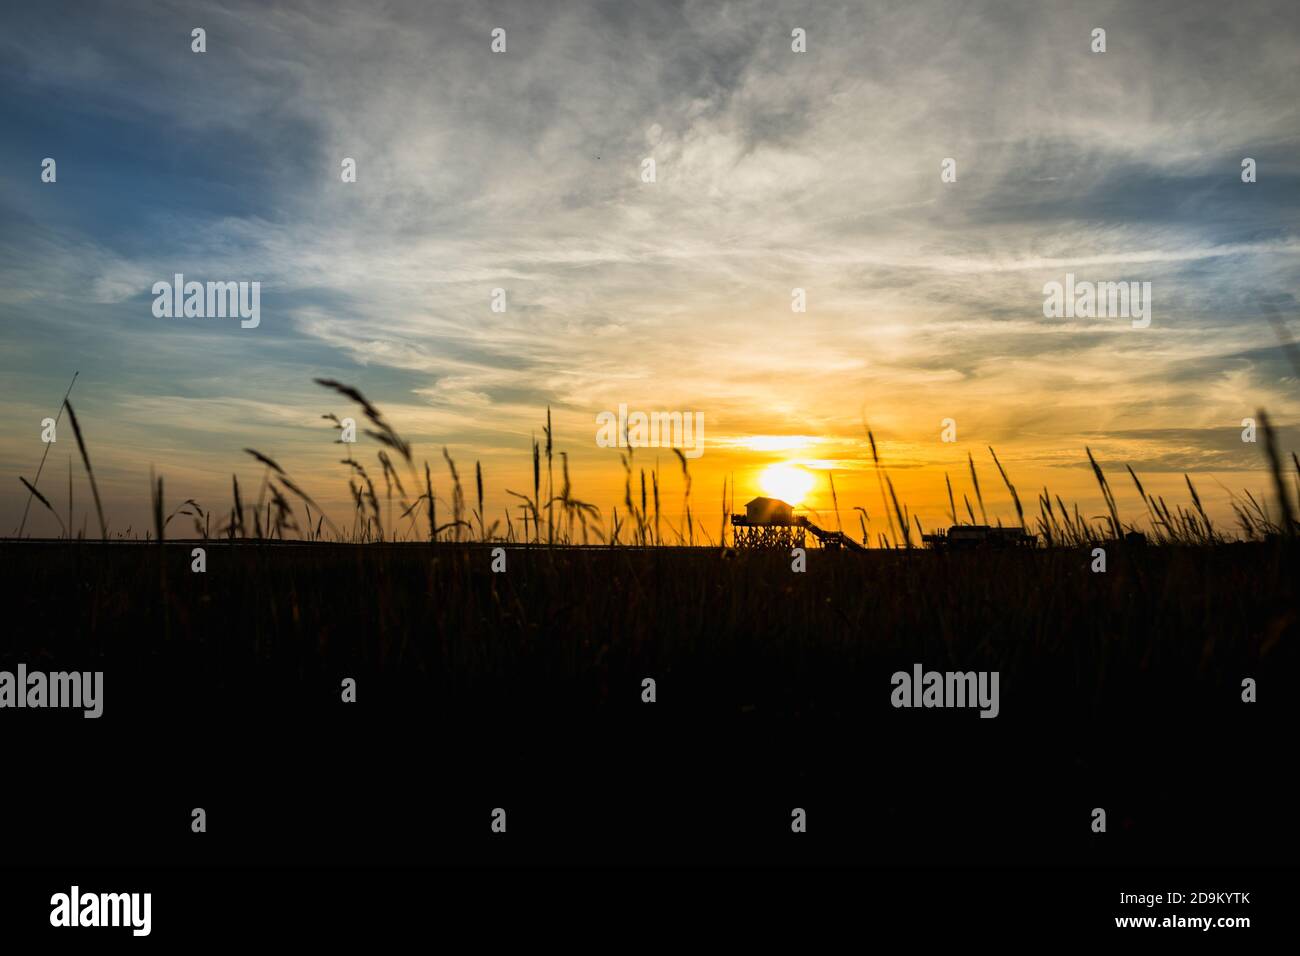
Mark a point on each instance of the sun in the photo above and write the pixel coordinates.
(787, 482)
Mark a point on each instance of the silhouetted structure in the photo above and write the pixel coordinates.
(772, 523)
(769, 511)
(767, 523)
(962, 537)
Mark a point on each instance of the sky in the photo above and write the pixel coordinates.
(774, 170)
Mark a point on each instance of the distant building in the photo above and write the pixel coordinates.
(962, 536)
(769, 511)
(770, 523)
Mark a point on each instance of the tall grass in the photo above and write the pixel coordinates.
(43, 500)
(22, 527)
(570, 520)
(1275, 467)
(90, 472)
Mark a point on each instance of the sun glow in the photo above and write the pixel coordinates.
(786, 482)
(779, 442)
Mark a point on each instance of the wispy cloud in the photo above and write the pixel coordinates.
(775, 170)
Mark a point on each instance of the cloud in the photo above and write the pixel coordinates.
(775, 170)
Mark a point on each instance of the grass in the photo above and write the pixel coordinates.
(773, 687)
(565, 519)
(773, 677)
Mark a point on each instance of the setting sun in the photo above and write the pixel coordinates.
(786, 482)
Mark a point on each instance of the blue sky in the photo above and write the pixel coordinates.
(775, 170)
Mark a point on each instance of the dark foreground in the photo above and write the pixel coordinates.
(522, 690)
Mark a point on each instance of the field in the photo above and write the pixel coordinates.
(503, 663)
(522, 689)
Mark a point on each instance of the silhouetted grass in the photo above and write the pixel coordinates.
(571, 520)
(43, 500)
(90, 472)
